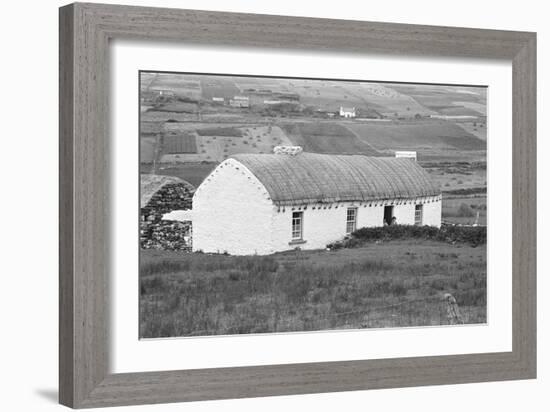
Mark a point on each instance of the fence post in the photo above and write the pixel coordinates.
(453, 313)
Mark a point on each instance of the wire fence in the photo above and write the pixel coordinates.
(441, 309)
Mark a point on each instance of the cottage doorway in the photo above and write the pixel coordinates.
(388, 215)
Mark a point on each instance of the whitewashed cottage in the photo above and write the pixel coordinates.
(347, 112)
(265, 203)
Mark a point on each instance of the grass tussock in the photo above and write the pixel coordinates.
(199, 294)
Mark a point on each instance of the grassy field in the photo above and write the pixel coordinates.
(389, 101)
(419, 135)
(193, 173)
(179, 143)
(326, 138)
(452, 176)
(218, 87)
(182, 104)
(447, 99)
(147, 149)
(387, 284)
(464, 210)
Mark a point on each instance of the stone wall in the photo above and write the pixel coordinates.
(167, 235)
(175, 196)
(156, 233)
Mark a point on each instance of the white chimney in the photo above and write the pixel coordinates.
(408, 155)
(288, 150)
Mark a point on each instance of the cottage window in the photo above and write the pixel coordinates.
(418, 215)
(297, 223)
(351, 220)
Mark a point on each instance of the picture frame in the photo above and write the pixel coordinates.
(85, 33)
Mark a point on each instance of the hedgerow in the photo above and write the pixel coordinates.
(472, 235)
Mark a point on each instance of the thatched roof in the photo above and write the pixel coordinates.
(151, 184)
(320, 178)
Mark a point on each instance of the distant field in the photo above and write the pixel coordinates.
(162, 116)
(179, 143)
(326, 138)
(176, 83)
(220, 131)
(149, 128)
(416, 135)
(147, 149)
(178, 107)
(217, 142)
(218, 87)
(458, 175)
(458, 110)
(447, 100)
(477, 128)
(389, 101)
(324, 95)
(273, 85)
(196, 294)
(193, 173)
(252, 139)
(464, 210)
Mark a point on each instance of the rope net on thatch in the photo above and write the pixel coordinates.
(320, 178)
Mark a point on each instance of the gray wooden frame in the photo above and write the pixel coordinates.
(85, 31)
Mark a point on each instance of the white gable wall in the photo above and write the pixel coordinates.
(232, 212)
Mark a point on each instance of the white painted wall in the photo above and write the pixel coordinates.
(432, 213)
(404, 213)
(323, 224)
(371, 215)
(231, 212)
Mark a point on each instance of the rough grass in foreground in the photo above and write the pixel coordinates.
(391, 284)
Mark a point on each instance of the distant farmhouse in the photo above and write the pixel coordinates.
(265, 203)
(347, 111)
(166, 93)
(240, 101)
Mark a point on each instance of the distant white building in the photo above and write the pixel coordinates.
(166, 93)
(265, 203)
(405, 154)
(240, 101)
(347, 111)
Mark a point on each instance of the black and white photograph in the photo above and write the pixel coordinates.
(277, 205)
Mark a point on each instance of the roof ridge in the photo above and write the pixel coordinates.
(318, 177)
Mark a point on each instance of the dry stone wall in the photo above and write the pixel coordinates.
(156, 233)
